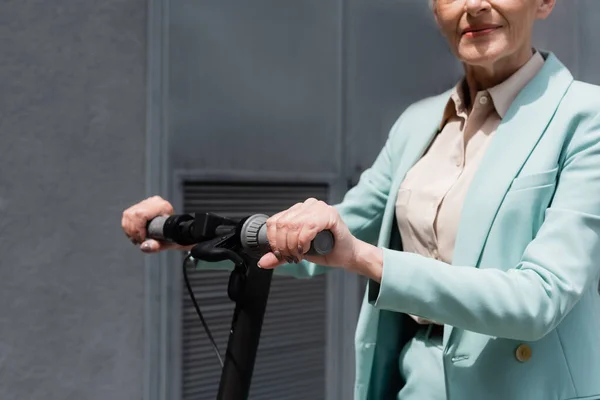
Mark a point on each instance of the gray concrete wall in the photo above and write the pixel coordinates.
(72, 123)
(588, 20)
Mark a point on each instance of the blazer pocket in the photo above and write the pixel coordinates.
(534, 180)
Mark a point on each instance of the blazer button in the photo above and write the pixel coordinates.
(523, 353)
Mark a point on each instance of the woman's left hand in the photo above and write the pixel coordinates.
(290, 234)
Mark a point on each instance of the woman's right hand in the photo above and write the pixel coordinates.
(136, 218)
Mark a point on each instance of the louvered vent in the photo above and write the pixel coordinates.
(290, 361)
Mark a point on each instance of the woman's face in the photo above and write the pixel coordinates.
(482, 32)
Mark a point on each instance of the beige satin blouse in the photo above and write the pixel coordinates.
(430, 198)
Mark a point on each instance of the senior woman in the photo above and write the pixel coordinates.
(478, 226)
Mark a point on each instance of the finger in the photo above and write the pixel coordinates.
(300, 246)
(139, 218)
(272, 234)
(131, 221)
(306, 236)
(131, 233)
(276, 233)
(150, 246)
(148, 209)
(269, 261)
(154, 246)
(287, 226)
(294, 220)
(281, 240)
(128, 227)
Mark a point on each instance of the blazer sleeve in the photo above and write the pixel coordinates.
(361, 209)
(525, 301)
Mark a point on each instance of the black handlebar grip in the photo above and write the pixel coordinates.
(321, 245)
(254, 238)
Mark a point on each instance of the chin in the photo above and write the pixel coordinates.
(482, 54)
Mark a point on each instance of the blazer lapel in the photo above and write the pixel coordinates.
(517, 135)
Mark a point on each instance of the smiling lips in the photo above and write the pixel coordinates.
(479, 31)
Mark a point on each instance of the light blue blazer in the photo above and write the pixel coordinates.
(526, 262)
